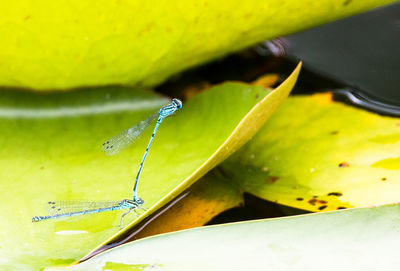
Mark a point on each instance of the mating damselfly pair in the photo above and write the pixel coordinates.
(60, 209)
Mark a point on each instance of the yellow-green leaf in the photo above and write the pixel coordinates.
(317, 154)
(58, 45)
(51, 151)
(357, 239)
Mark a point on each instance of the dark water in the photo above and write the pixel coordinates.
(362, 52)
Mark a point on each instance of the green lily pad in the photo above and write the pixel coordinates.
(77, 43)
(357, 239)
(318, 155)
(51, 151)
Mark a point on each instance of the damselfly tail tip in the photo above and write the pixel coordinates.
(36, 219)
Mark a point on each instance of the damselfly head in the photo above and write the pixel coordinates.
(177, 103)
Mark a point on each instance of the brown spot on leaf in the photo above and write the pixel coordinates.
(42, 167)
(313, 201)
(315, 197)
(257, 96)
(322, 207)
(344, 164)
(272, 179)
(334, 132)
(345, 3)
(341, 207)
(383, 179)
(336, 194)
(27, 17)
(299, 199)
